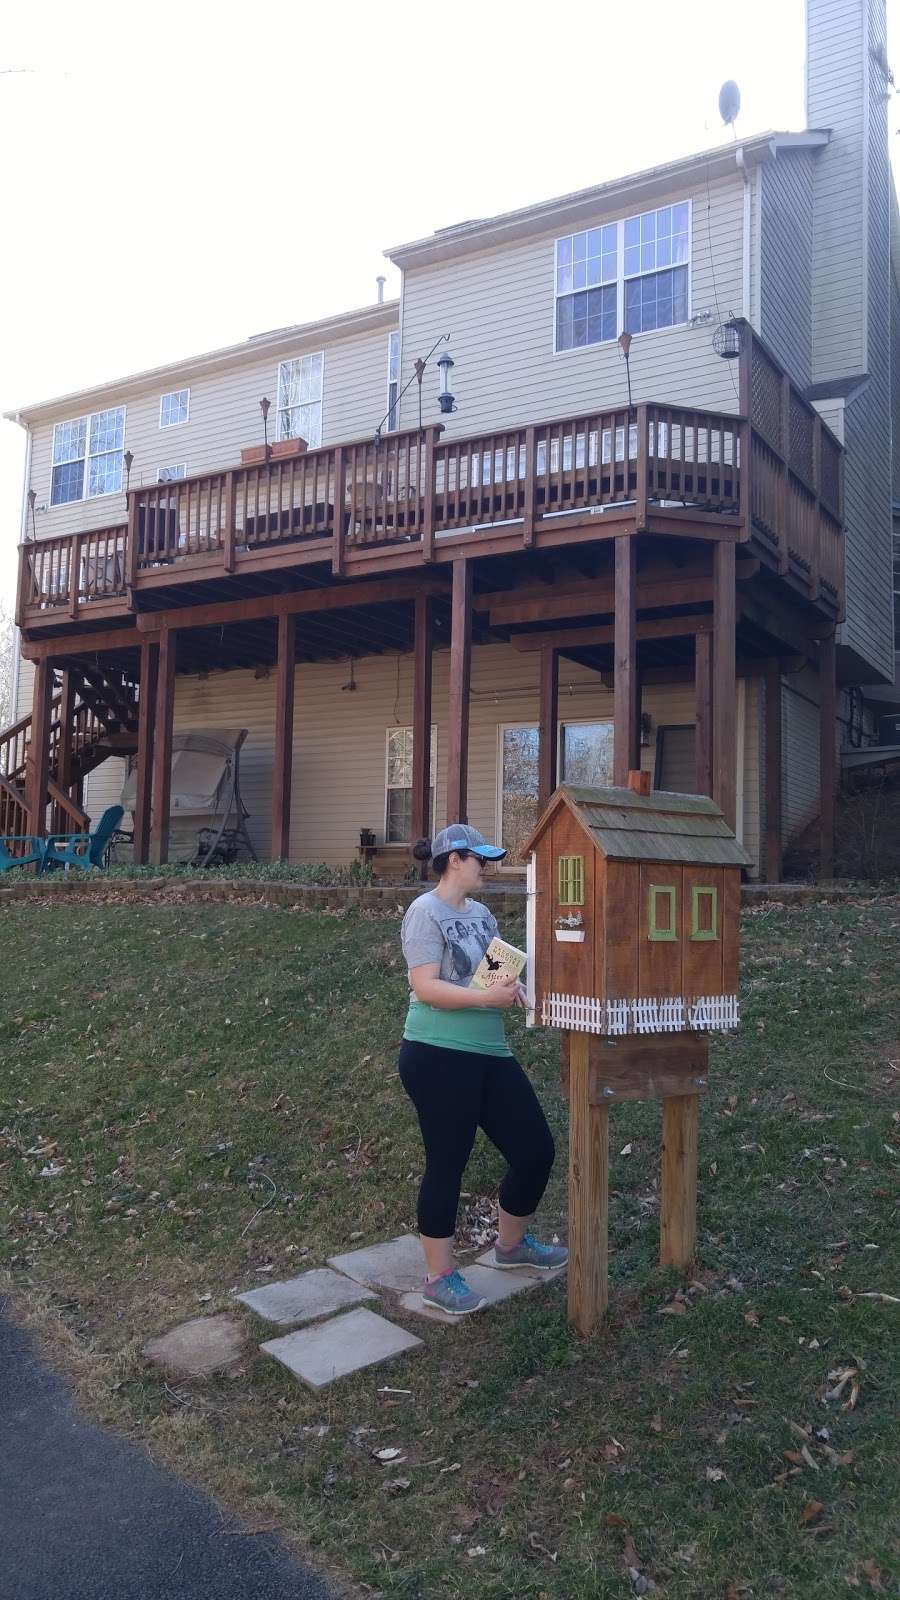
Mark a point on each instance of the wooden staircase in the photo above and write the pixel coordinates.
(94, 715)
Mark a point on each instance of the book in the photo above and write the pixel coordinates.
(500, 962)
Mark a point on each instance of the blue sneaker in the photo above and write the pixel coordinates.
(531, 1253)
(452, 1294)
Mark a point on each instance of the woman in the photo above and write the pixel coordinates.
(460, 1073)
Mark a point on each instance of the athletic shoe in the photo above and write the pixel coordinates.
(531, 1253)
(452, 1294)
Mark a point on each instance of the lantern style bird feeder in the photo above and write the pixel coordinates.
(633, 923)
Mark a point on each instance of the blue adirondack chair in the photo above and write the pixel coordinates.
(81, 849)
(34, 851)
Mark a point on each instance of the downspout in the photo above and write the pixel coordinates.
(23, 529)
(746, 311)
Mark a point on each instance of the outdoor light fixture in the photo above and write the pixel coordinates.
(351, 685)
(646, 728)
(625, 347)
(128, 459)
(446, 400)
(32, 496)
(265, 406)
(727, 341)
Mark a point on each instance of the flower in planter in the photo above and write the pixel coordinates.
(573, 920)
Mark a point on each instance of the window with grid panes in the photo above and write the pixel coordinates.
(300, 399)
(656, 256)
(393, 381)
(398, 785)
(174, 408)
(586, 274)
(87, 456)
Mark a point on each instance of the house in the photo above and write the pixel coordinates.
(682, 560)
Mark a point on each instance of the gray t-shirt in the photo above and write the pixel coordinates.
(433, 931)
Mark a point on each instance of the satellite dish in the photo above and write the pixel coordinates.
(729, 102)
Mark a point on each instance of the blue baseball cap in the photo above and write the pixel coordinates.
(461, 837)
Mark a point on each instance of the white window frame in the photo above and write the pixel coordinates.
(179, 421)
(433, 775)
(620, 280)
(86, 418)
(179, 468)
(393, 410)
(308, 355)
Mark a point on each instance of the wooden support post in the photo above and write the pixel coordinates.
(678, 1188)
(228, 530)
(162, 751)
(338, 540)
(827, 755)
(65, 751)
(146, 716)
(548, 730)
(284, 739)
(37, 772)
(724, 682)
(421, 762)
(773, 772)
(458, 700)
(588, 1194)
(703, 701)
(626, 723)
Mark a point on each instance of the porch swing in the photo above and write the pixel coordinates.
(207, 815)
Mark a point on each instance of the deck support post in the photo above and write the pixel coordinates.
(626, 693)
(548, 728)
(588, 1193)
(65, 750)
(146, 715)
(724, 711)
(284, 738)
(458, 702)
(703, 698)
(827, 755)
(678, 1180)
(37, 773)
(773, 772)
(421, 761)
(162, 748)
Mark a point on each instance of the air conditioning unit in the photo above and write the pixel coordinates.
(889, 728)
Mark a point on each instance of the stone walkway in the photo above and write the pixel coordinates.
(335, 1331)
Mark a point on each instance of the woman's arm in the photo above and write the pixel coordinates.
(435, 991)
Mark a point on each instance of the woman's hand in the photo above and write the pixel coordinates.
(504, 994)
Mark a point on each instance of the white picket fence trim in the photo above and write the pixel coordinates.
(669, 1014)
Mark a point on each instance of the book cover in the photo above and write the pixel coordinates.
(500, 962)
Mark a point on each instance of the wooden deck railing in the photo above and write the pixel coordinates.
(414, 486)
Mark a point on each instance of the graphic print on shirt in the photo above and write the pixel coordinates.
(467, 941)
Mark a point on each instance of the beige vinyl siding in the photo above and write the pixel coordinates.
(498, 307)
(224, 418)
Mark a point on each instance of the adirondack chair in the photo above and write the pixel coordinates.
(81, 849)
(34, 852)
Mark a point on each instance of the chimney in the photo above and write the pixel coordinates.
(639, 782)
(381, 283)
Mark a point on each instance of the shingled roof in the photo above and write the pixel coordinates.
(688, 828)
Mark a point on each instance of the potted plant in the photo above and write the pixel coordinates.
(569, 929)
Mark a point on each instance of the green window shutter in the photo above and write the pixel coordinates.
(571, 880)
(661, 918)
(704, 912)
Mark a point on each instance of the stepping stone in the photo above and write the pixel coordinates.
(398, 1264)
(312, 1294)
(196, 1348)
(485, 1280)
(532, 1273)
(345, 1344)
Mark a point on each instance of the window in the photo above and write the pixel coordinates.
(662, 927)
(630, 275)
(300, 399)
(174, 408)
(704, 912)
(398, 784)
(657, 249)
(518, 788)
(586, 292)
(571, 880)
(171, 474)
(87, 456)
(393, 381)
(586, 754)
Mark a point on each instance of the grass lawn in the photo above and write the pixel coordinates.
(214, 1088)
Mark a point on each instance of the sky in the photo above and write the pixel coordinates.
(178, 177)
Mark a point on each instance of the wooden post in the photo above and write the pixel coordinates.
(146, 716)
(66, 731)
(228, 530)
(421, 762)
(703, 702)
(284, 739)
(162, 752)
(530, 467)
(725, 682)
(588, 1194)
(773, 772)
(338, 536)
(548, 731)
(827, 755)
(37, 771)
(458, 700)
(678, 1188)
(626, 725)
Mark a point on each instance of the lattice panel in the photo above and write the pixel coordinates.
(801, 440)
(765, 397)
(615, 1018)
(829, 473)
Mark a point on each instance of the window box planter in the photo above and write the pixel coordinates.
(569, 935)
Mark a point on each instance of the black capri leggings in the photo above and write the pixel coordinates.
(455, 1092)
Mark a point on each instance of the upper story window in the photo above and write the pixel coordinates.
(174, 408)
(87, 456)
(172, 474)
(393, 381)
(586, 287)
(300, 399)
(630, 275)
(657, 251)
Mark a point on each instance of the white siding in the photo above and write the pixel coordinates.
(785, 315)
(498, 307)
(836, 75)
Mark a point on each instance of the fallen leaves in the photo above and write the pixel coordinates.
(839, 1378)
(811, 1511)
